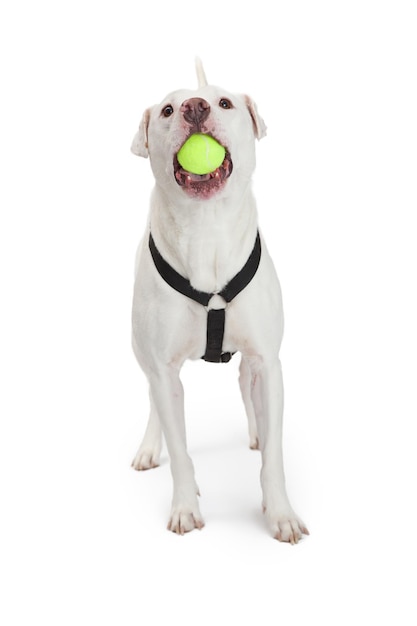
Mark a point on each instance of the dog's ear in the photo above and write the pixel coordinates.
(140, 140)
(259, 126)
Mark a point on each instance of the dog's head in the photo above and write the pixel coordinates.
(231, 119)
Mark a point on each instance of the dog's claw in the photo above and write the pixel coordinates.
(181, 523)
(147, 457)
(144, 462)
(287, 529)
(293, 539)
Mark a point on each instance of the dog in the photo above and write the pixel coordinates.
(205, 287)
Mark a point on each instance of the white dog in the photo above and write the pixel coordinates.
(206, 287)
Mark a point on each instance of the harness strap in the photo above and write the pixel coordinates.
(215, 333)
(215, 317)
(243, 278)
(174, 279)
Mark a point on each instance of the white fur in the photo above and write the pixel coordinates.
(208, 240)
(201, 75)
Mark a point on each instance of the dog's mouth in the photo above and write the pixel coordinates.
(203, 185)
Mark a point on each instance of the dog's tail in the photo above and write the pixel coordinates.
(201, 76)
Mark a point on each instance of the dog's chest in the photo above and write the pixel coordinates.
(216, 302)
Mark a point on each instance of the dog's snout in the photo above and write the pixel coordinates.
(195, 111)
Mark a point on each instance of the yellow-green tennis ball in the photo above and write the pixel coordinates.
(201, 154)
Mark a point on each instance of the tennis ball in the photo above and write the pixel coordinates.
(201, 154)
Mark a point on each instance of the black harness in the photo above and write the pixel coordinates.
(215, 317)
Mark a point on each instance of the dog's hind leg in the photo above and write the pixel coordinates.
(149, 450)
(246, 383)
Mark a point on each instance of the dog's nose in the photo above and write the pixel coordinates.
(195, 111)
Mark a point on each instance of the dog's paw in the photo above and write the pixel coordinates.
(185, 519)
(286, 527)
(145, 459)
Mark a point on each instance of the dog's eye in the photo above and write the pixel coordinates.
(167, 111)
(225, 103)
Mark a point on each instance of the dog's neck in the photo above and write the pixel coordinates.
(207, 242)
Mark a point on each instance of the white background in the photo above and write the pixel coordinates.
(83, 537)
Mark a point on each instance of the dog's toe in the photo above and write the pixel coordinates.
(287, 528)
(288, 532)
(145, 459)
(182, 522)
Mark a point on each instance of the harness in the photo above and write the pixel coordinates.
(215, 317)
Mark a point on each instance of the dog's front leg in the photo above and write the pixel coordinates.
(268, 397)
(168, 396)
